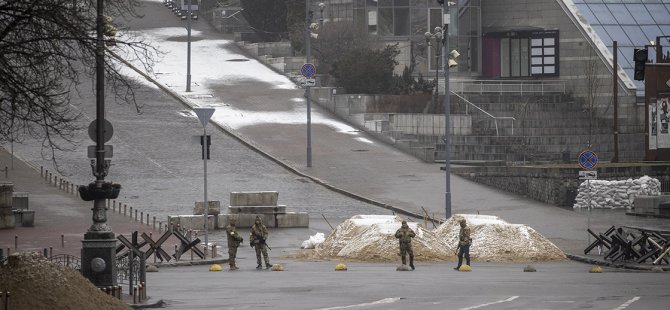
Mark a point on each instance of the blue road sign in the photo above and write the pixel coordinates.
(308, 70)
(588, 159)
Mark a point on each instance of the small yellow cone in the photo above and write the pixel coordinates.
(596, 269)
(465, 268)
(277, 267)
(215, 267)
(340, 267)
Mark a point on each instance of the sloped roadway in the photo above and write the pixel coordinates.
(161, 172)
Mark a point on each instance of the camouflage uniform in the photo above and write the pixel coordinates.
(234, 241)
(257, 238)
(464, 242)
(405, 235)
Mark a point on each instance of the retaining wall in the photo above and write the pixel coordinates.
(554, 185)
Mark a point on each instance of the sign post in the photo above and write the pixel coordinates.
(204, 114)
(588, 160)
(308, 70)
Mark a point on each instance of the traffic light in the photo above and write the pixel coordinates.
(640, 56)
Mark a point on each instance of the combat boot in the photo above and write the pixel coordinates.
(259, 266)
(404, 261)
(268, 266)
(233, 267)
(411, 262)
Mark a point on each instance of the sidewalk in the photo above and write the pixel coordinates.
(62, 218)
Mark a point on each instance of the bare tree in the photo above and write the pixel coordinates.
(47, 48)
(594, 86)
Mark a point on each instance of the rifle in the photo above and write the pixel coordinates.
(262, 243)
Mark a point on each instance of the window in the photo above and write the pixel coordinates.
(544, 56)
(391, 18)
(521, 54)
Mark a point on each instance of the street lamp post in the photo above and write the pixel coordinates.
(435, 40)
(98, 253)
(308, 59)
(188, 49)
(446, 19)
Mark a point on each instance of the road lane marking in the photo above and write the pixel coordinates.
(491, 303)
(626, 304)
(378, 302)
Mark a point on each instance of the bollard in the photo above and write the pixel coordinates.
(160, 227)
(46, 173)
(134, 294)
(124, 209)
(147, 219)
(135, 215)
(72, 189)
(62, 241)
(153, 225)
(51, 251)
(6, 172)
(176, 253)
(7, 300)
(56, 180)
(120, 291)
(50, 177)
(41, 171)
(114, 205)
(16, 242)
(213, 251)
(45, 253)
(141, 217)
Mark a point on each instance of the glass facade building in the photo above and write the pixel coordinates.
(632, 23)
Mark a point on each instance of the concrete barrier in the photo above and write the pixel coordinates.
(267, 198)
(195, 222)
(6, 214)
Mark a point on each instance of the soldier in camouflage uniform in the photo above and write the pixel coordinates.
(234, 241)
(405, 235)
(464, 242)
(257, 238)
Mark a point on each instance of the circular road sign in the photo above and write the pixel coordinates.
(107, 129)
(588, 159)
(308, 70)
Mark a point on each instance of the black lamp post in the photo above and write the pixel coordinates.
(98, 253)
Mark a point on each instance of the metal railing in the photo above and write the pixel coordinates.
(495, 118)
(507, 86)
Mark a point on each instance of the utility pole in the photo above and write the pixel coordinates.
(446, 19)
(308, 59)
(615, 101)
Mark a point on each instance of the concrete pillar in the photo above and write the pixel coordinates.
(6, 215)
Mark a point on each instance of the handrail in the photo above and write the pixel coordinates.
(495, 118)
(531, 86)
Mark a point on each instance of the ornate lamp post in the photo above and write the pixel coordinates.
(435, 40)
(98, 253)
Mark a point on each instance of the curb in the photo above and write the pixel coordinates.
(191, 263)
(599, 262)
